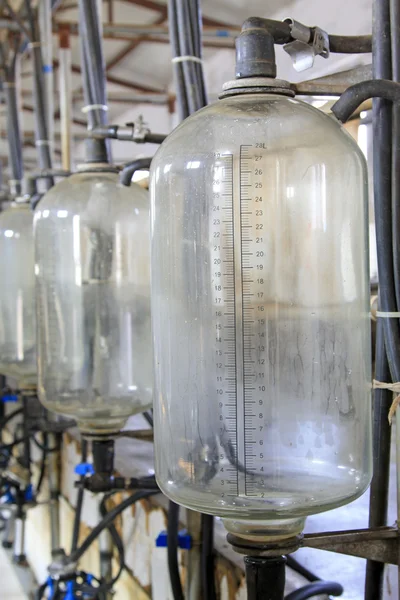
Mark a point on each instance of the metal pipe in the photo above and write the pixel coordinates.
(94, 81)
(65, 86)
(42, 136)
(14, 136)
(106, 555)
(9, 531)
(382, 131)
(46, 37)
(19, 556)
(54, 489)
(193, 557)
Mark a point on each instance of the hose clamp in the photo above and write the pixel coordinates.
(140, 130)
(308, 42)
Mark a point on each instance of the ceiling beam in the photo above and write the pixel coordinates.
(120, 56)
(118, 81)
(80, 122)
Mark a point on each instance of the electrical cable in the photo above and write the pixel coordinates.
(172, 550)
(316, 589)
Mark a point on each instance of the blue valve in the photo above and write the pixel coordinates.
(69, 594)
(84, 469)
(184, 540)
(29, 493)
(9, 398)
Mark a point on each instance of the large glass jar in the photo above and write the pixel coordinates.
(92, 276)
(260, 309)
(17, 295)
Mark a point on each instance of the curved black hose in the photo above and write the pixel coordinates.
(172, 537)
(356, 94)
(44, 447)
(207, 557)
(111, 515)
(136, 165)
(42, 467)
(14, 443)
(79, 502)
(316, 589)
(293, 564)
(148, 415)
(9, 417)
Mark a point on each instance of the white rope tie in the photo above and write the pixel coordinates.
(42, 143)
(188, 57)
(89, 107)
(34, 45)
(392, 387)
(387, 315)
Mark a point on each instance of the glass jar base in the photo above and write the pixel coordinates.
(267, 530)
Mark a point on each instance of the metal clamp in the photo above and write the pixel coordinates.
(140, 130)
(306, 45)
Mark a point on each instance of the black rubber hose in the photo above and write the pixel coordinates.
(79, 502)
(111, 515)
(9, 417)
(131, 168)
(155, 138)
(207, 557)
(172, 537)
(339, 44)
(42, 466)
(356, 94)
(316, 589)
(293, 564)
(148, 415)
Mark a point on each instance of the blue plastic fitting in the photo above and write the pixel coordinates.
(84, 469)
(29, 493)
(9, 398)
(184, 540)
(69, 594)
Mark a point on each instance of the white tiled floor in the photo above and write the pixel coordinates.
(10, 587)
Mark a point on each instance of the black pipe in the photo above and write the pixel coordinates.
(395, 46)
(172, 550)
(79, 503)
(131, 168)
(207, 557)
(316, 589)
(265, 577)
(356, 94)
(387, 329)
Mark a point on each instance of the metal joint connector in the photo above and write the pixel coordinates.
(140, 130)
(308, 42)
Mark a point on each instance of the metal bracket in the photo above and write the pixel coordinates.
(306, 45)
(381, 544)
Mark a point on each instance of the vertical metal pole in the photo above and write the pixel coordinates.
(193, 580)
(46, 37)
(54, 488)
(65, 85)
(106, 555)
(9, 532)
